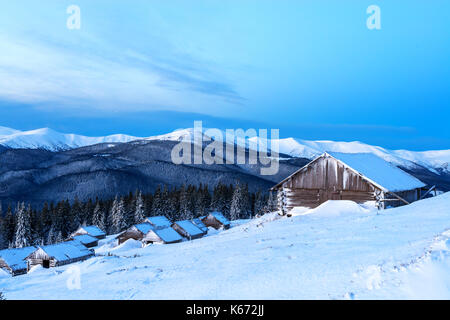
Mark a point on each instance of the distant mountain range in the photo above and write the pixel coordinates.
(48, 139)
(45, 165)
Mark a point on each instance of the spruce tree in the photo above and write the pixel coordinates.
(9, 227)
(139, 210)
(22, 234)
(98, 217)
(156, 203)
(3, 240)
(240, 203)
(117, 216)
(185, 206)
(260, 203)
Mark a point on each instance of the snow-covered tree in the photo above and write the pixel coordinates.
(22, 234)
(51, 236)
(260, 203)
(185, 205)
(139, 211)
(240, 203)
(98, 217)
(59, 238)
(117, 216)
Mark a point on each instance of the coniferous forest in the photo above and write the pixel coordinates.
(21, 225)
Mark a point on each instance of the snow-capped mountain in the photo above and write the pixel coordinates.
(432, 160)
(49, 139)
(436, 161)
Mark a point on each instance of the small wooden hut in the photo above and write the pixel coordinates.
(216, 220)
(188, 229)
(93, 231)
(59, 254)
(198, 222)
(162, 236)
(136, 232)
(159, 222)
(359, 177)
(86, 240)
(13, 260)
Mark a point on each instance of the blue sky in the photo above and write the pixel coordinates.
(310, 68)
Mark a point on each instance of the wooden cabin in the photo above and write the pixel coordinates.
(14, 260)
(359, 177)
(159, 222)
(162, 236)
(59, 254)
(216, 220)
(86, 240)
(198, 222)
(93, 231)
(136, 232)
(188, 229)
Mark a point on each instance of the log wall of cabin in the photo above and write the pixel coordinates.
(152, 237)
(326, 179)
(130, 234)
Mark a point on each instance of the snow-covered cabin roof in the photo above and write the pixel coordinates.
(168, 234)
(198, 222)
(66, 250)
(85, 239)
(159, 221)
(220, 218)
(144, 228)
(379, 171)
(15, 258)
(94, 231)
(189, 227)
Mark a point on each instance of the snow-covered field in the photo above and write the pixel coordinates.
(337, 251)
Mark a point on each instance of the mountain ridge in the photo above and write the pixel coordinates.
(436, 161)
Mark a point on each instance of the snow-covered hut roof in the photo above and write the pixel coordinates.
(190, 227)
(144, 228)
(198, 222)
(94, 231)
(159, 221)
(85, 239)
(15, 258)
(380, 172)
(66, 250)
(168, 234)
(220, 218)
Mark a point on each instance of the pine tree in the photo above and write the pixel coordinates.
(260, 203)
(240, 203)
(3, 240)
(9, 227)
(51, 236)
(185, 206)
(98, 218)
(117, 215)
(139, 211)
(59, 238)
(22, 235)
(75, 216)
(156, 203)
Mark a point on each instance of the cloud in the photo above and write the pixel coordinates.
(38, 70)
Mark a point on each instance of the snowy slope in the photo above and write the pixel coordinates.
(336, 251)
(53, 140)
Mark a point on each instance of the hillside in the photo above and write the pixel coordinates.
(337, 251)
